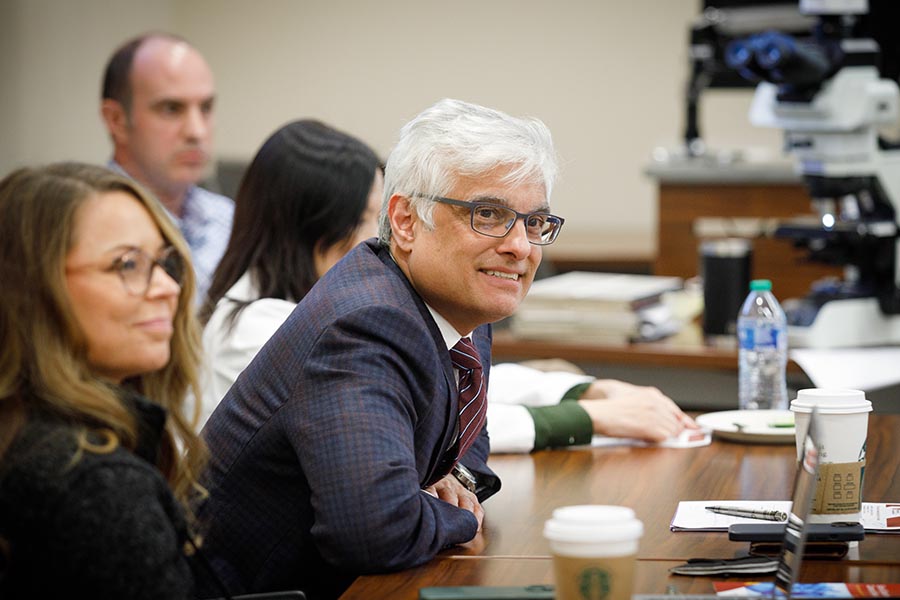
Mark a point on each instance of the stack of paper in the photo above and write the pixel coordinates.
(597, 307)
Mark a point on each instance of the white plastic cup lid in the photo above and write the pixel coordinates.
(593, 523)
(831, 401)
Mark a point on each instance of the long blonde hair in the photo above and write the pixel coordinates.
(43, 356)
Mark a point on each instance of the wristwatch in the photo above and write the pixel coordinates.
(465, 477)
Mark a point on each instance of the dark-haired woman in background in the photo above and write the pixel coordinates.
(310, 194)
(99, 348)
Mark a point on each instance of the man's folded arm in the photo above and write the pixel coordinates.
(356, 443)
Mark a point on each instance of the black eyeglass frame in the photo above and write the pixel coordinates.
(473, 206)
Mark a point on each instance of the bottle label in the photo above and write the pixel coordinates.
(761, 335)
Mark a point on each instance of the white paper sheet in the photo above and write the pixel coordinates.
(691, 515)
(851, 368)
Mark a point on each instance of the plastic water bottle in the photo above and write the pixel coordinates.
(762, 356)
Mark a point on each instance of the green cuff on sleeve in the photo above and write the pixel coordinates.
(577, 391)
(565, 424)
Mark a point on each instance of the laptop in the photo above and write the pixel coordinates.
(797, 527)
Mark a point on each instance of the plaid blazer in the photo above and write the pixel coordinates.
(320, 450)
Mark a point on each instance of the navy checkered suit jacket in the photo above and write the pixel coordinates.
(320, 450)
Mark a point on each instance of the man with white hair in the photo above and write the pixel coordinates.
(355, 441)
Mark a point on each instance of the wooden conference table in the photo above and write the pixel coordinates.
(511, 549)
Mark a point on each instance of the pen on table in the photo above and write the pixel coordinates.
(735, 511)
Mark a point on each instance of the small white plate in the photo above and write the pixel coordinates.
(757, 426)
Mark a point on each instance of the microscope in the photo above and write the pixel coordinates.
(826, 92)
(710, 35)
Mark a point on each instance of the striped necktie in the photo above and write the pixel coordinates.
(472, 392)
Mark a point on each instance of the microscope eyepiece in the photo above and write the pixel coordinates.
(780, 59)
(791, 61)
(741, 56)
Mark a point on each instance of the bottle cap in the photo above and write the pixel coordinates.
(761, 285)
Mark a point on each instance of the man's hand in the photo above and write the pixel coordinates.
(620, 409)
(452, 491)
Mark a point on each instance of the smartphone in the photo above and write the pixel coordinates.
(829, 550)
(816, 532)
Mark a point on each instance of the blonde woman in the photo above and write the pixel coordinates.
(99, 349)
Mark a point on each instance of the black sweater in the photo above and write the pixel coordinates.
(106, 526)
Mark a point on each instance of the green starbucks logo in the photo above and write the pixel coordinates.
(593, 584)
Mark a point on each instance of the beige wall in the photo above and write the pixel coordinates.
(51, 70)
(606, 76)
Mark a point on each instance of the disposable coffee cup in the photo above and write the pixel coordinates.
(594, 548)
(843, 427)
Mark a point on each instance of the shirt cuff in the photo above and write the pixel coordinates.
(565, 424)
(576, 392)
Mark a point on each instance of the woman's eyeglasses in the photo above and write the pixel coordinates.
(135, 268)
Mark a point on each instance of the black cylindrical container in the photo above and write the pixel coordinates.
(725, 266)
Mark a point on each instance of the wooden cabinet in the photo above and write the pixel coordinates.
(688, 200)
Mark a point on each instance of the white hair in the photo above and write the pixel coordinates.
(454, 139)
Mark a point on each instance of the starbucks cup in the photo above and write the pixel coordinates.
(843, 419)
(594, 549)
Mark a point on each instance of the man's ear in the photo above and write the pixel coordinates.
(115, 117)
(402, 218)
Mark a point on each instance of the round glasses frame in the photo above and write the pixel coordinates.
(135, 268)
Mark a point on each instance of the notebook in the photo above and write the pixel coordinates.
(792, 545)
